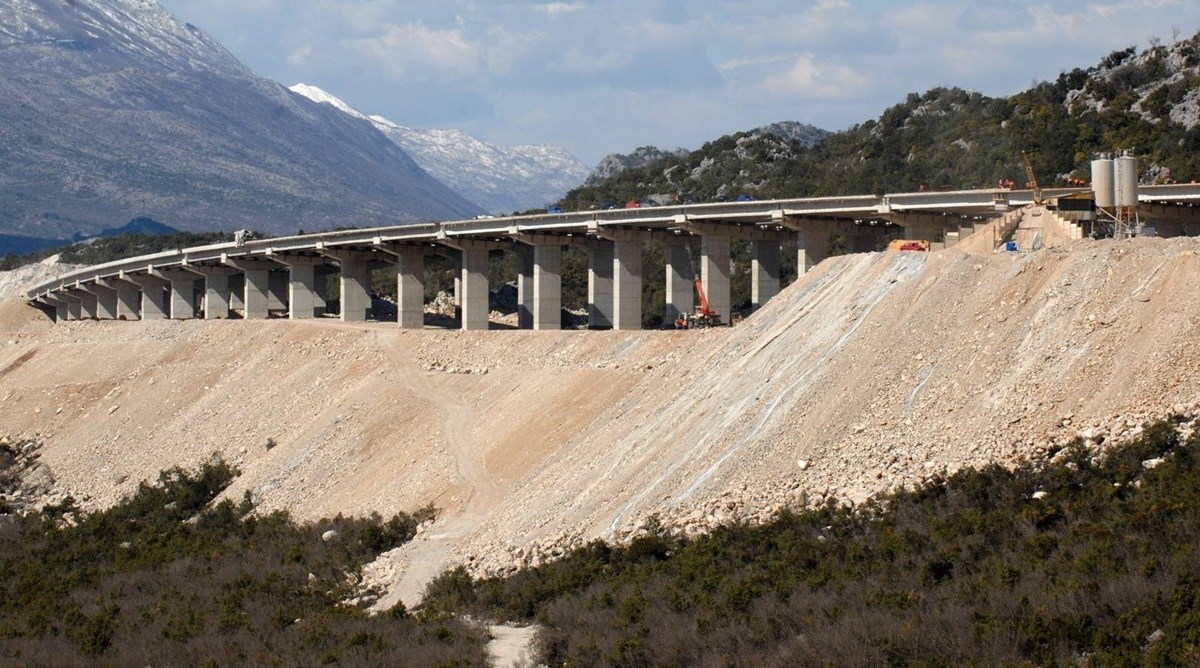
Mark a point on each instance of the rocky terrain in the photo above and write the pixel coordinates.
(873, 372)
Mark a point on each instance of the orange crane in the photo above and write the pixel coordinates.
(1037, 190)
(705, 317)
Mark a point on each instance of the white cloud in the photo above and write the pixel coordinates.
(413, 51)
(559, 8)
(815, 80)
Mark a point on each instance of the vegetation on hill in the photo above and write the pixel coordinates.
(1091, 560)
(141, 236)
(949, 138)
(169, 578)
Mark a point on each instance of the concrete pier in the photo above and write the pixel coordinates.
(547, 286)
(154, 305)
(524, 286)
(301, 284)
(106, 300)
(61, 312)
(87, 303)
(627, 284)
(129, 298)
(256, 286)
(812, 246)
(764, 272)
(181, 295)
(74, 305)
(600, 283)
(216, 290)
(714, 271)
(474, 294)
(681, 290)
(278, 290)
(410, 284)
(355, 283)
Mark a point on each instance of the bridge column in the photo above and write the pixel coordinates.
(87, 303)
(812, 244)
(256, 286)
(182, 294)
(627, 284)
(547, 278)
(681, 281)
(73, 304)
(764, 272)
(216, 301)
(714, 271)
(600, 283)
(410, 288)
(474, 290)
(129, 298)
(61, 312)
(154, 295)
(301, 284)
(106, 300)
(355, 283)
(524, 286)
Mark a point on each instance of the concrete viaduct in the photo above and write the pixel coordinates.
(289, 273)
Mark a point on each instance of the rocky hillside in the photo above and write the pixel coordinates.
(874, 371)
(501, 179)
(113, 109)
(949, 138)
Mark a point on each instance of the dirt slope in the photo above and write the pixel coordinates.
(874, 371)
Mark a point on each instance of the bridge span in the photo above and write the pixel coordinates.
(289, 273)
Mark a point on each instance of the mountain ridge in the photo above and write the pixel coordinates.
(113, 109)
(502, 179)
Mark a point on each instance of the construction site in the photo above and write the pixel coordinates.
(873, 372)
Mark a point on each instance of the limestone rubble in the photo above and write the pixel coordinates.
(874, 372)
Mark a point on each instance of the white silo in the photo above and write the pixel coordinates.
(1125, 181)
(1102, 183)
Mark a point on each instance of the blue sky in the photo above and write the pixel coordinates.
(601, 77)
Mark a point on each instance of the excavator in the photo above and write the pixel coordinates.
(704, 315)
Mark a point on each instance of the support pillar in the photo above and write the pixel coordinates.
(154, 296)
(547, 286)
(524, 286)
(301, 285)
(61, 312)
(182, 294)
(410, 287)
(106, 300)
(87, 303)
(256, 285)
(680, 279)
(474, 290)
(627, 285)
(129, 298)
(812, 246)
(764, 272)
(217, 290)
(714, 271)
(600, 284)
(73, 305)
(355, 283)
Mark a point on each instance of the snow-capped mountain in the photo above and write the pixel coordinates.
(114, 109)
(501, 179)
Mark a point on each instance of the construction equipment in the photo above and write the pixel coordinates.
(704, 315)
(908, 245)
(1037, 190)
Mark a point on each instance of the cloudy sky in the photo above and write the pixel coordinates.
(603, 76)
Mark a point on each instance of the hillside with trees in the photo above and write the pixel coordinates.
(949, 138)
